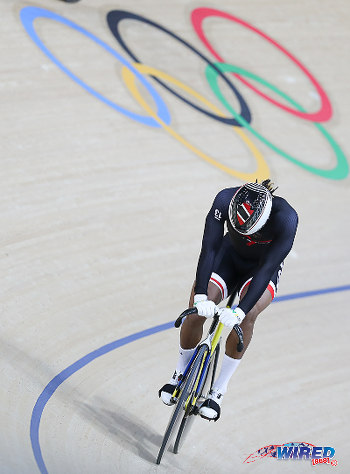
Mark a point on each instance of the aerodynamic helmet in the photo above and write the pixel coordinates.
(250, 208)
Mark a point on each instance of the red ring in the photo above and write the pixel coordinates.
(325, 112)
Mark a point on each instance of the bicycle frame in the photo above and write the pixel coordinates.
(211, 341)
(189, 389)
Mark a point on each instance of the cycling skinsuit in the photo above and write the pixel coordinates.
(233, 260)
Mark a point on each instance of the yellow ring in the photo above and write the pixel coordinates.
(262, 171)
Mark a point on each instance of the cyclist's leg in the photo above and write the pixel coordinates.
(190, 335)
(247, 325)
(192, 328)
(211, 407)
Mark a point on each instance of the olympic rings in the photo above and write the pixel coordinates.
(29, 14)
(116, 16)
(341, 169)
(161, 118)
(324, 114)
(262, 171)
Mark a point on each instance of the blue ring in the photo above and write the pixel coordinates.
(29, 14)
(52, 386)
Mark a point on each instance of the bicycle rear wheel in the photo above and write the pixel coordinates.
(184, 429)
(188, 386)
(188, 418)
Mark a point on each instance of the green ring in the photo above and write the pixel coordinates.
(340, 171)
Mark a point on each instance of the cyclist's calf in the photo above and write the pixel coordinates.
(191, 331)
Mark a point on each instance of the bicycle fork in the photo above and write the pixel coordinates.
(210, 342)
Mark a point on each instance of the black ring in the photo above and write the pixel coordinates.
(114, 17)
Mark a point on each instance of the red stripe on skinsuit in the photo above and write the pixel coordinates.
(219, 285)
(269, 287)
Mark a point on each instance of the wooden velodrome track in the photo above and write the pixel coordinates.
(105, 184)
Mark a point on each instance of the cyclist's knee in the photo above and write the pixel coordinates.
(214, 294)
(259, 307)
(250, 317)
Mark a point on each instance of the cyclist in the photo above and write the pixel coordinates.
(247, 259)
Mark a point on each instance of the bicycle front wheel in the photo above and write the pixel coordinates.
(179, 407)
(188, 419)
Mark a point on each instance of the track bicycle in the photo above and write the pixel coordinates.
(196, 382)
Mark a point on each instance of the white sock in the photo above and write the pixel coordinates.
(228, 367)
(184, 358)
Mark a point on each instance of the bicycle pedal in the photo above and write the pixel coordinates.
(205, 418)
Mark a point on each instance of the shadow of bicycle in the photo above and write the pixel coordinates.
(130, 432)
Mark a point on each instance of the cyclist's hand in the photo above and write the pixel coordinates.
(204, 306)
(230, 317)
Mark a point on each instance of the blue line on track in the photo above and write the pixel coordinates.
(306, 294)
(52, 386)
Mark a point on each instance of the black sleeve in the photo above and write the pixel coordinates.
(286, 223)
(212, 238)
